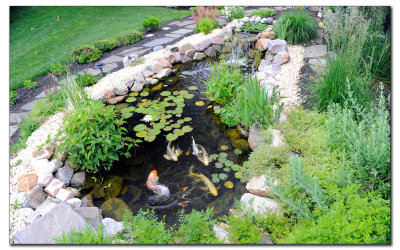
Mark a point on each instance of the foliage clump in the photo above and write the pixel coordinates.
(296, 27)
(85, 79)
(107, 44)
(151, 23)
(13, 97)
(264, 12)
(132, 37)
(85, 236)
(254, 28)
(85, 54)
(205, 19)
(205, 25)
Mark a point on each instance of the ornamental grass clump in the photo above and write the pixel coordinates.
(296, 27)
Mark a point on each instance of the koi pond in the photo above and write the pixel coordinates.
(187, 115)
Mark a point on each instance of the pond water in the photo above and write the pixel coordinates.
(208, 131)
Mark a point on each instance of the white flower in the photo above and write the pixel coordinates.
(147, 118)
(319, 14)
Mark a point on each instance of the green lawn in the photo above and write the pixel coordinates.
(53, 39)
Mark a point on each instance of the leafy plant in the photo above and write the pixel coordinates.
(85, 236)
(85, 54)
(13, 97)
(54, 101)
(300, 27)
(57, 68)
(144, 228)
(254, 28)
(197, 227)
(132, 37)
(205, 25)
(152, 23)
(264, 12)
(29, 84)
(86, 79)
(16, 205)
(107, 44)
(233, 12)
(229, 114)
(137, 61)
(223, 83)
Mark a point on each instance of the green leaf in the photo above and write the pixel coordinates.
(192, 88)
(187, 129)
(228, 163)
(131, 99)
(223, 176)
(238, 175)
(227, 169)
(126, 115)
(235, 167)
(165, 93)
(139, 127)
(237, 151)
(223, 154)
(215, 180)
(172, 137)
(187, 119)
(150, 138)
(219, 165)
(143, 94)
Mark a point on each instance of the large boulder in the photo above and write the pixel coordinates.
(262, 44)
(281, 58)
(42, 209)
(114, 208)
(199, 56)
(61, 218)
(113, 186)
(154, 66)
(201, 46)
(92, 215)
(276, 46)
(260, 204)
(26, 182)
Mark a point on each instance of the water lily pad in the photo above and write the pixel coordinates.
(235, 167)
(165, 93)
(180, 121)
(178, 115)
(228, 184)
(183, 92)
(167, 128)
(130, 99)
(223, 176)
(222, 159)
(199, 103)
(214, 156)
(141, 110)
(187, 119)
(159, 125)
(227, 169)
(143, 94)
(126, 115)
(139, 127)
(187, 129)
(141, 134)
(175, 92)
(246, 164)
(128, 110)
(157, 87)
(188, 96)
(193, 88)
(209, 106)
(214, 175)
(238, 175)
(224, 147)
(228, 163)
(133, 94)
(215, 179)
(176, 125)
(237, 151)
(219, 165)
(172, 137)
(153, 131)
(122, 106)
(223, 154)
(242, 169)
(150, 138)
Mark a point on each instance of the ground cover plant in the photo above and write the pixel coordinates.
(151, 23)
(78, 25)
(264, 12)
(106, 44)
(86, 236)
(29, 84)
(296, 27)
(255, 28)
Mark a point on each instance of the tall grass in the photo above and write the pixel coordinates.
(296, 27)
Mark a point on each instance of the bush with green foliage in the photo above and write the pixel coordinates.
(151, 23)
(107, 44)
(233, 12)
(86, 236)
(86, 79)
(224, 82)
(197, 227)
(206, 24)
(13, 97)
(85, 54)
(57, 68)
(296, 27)
(264, 12)
(132, 37)
(229, 114)
(254, 28)
(29, 84)
(144, 228)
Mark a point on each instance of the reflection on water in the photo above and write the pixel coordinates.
(186, 192)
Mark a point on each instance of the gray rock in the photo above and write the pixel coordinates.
(138, 86)
(315, 51)
(245, 19)
(64, 174)
(120, 89)
(210, 52)
(35, 198)
(112, 59)
(154, 66)
(199, 56)
(276, 46)
(129, 84)
(28, 106)
(216, 47)
(74, 202)
(270, 70)
(159, 41)
(255, 138)
(149, 35)
(318, 65)
(252, 19)
(201, 46)
(190, 52)
(138, 77)
(111, 227)
(174, 35)
(125, 61)
(269, 20)
(259, 204)
(159, 47)
(281, 58)
(268, 85)
(91, 214)
(185, 47)
(100, 97)
(264, 20)
(44, 180)
(94, 72)
(257, 19)
(277, 138)
(186, 59)
(42, 209)
(182, 31)
(258, 187)
(78, 179)
(60, 219)
(110, 67)
(265, 239)
(222, 234)
(13, 129)
(178, 57)
(268, 58)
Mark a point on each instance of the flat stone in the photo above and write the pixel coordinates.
(210, 52)
(135, 50)
(159, 47)
(74, 202)
(258, 187)
(315, 51)
(260, 204)
(92, 71)
(163, 73)
(13, 129)
(149, 35)
(182, 31)
(28, 106)
(186, 59)
(17, 117)
(54, 186)
(159, 41)
(42, 209)
(185, 23)
(192, 26)
(165, 28)
(164, 62)
(271, 69)
(112, 59)
(60, 219)
(201, 46)
(174, 35)
(91, 214)
(175, 22)
(26, 182)
(110, 67)
(317, 62)
(117, 99)
(35, 198)
(222, 234)
(199, 56)
(111, 227)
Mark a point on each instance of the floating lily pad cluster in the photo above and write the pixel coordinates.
(162, 114)
(227, 166)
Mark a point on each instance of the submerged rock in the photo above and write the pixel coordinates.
(114, 208)
(241, 144)
(255, 137)
(232, 133)
(112, 186)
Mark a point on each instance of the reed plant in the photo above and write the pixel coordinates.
(296, 27)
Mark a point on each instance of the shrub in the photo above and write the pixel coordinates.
(197, 227)
(152, 23)
(132, 37)
(85, 236)
(255, 28)
(145, 229)
(234, 12)
(85, 54)
(264, 12)
(29, 84)
(13, 97)
(86, 79)
(107, 44)
(201, 12)
(296, 27)
(223, 83)
(57, 68)
(205, 25)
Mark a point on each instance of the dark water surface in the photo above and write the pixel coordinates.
(208, 131)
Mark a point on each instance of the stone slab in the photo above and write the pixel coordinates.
(110, 67)
(192, 26)
(92, 71)
(111, 59)
(62, 218)
(184, 23)
(182, 31)
(13, 129)
(149, 35)
(175, 23)
(160, 41)
(174, 35)
(43, 93)
(136, 51)
(166, 28)
(28, 106)
(315, 51)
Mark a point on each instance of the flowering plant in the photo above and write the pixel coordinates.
(233, 12)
